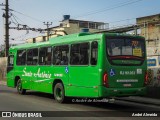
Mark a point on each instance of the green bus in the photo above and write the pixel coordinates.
(103, 65)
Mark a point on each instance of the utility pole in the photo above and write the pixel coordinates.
(6, 16)
(47, 24)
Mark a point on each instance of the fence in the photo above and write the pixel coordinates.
(3, 67)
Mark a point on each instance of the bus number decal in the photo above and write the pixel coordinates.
(127, 72)
(58, 75)
(135, 43)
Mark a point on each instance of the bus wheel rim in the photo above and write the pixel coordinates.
(19, 87)
(59, 94)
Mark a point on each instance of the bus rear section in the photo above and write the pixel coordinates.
(125, 69)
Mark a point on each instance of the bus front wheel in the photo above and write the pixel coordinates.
(59, 94)
(20, 90)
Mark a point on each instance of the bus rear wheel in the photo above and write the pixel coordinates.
(59, 94)
(20, 90)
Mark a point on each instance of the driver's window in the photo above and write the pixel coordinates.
(10, 60)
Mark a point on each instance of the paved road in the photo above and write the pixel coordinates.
(35, 101)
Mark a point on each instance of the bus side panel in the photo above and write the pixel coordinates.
(10, 79)
(43, 82)
(46, 75)
(26, 74)
(61, 73)
(83, 81)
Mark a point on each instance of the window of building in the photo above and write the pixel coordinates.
(32, 56)
(79, 54)
(92, 25)
(60, 55)
(83, 24)
(94, 53)
(45, 55)
(21, 57)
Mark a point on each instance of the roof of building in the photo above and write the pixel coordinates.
(74, 20)
(149, 16)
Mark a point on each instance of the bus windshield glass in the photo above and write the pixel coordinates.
(130, 49)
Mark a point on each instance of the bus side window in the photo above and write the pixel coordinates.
(79, 54)
(35, 56)
(60, 55)
(29, 57)
(94, 53)
(21, 57)
(48, 56)
(32, 56)
(45, 56)
(42, 54)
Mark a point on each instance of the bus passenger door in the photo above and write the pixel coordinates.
(10, 71)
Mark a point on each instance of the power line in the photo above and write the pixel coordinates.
(13, 22)
(23, 27)
(27, 16)
(111, 8)
(14, 19)
(122, 20)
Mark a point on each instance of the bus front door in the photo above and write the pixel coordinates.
(10, 71)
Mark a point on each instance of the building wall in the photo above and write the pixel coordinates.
(37, 39)
(68, 27)
(150, 29)
(3, 67)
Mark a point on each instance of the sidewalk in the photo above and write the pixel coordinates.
(144, 100)
(3, 82)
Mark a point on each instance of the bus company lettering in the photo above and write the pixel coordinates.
(37, 74)
(127, 72)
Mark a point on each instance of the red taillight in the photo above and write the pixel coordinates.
(105, 80)
(146, 78)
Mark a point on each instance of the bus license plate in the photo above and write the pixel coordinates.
(127, 85)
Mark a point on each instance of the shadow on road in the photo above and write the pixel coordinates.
(118, 105)
(83, 102)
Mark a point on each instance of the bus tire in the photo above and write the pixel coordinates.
(20, 90)
(59, 93)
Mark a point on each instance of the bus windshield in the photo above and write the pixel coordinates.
(130, 49)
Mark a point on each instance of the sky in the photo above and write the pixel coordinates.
(34, 12)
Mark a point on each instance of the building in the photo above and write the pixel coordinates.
(71, 26)
(150, 29)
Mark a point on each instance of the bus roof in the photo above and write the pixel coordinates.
(81, 37)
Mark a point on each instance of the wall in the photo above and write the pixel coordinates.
(3, 66)
(150, 27)
(153, 88)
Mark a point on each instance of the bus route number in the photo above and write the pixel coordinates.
(135, 43)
